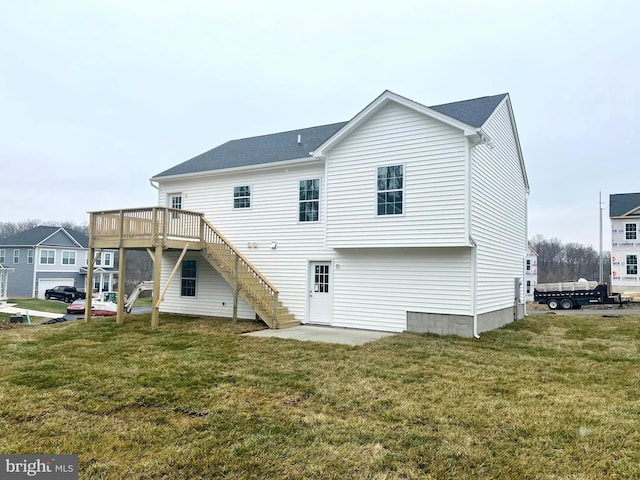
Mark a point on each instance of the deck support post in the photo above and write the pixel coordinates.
(275, 310)
(89, 286)
(236, 289)
(157, 267)
(121, 285)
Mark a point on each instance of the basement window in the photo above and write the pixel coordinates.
(631, 231)
(632, 264)
(189, 277)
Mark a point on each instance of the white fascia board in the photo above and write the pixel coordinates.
(226, 171)
(376, 105)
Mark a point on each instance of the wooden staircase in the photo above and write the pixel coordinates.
(162, 228)
(245, 279)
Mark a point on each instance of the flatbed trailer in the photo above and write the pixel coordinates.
(573, 295)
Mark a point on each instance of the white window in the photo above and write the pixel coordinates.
(16, 255)
(632, 264)
(242, 196)
(189, 278)
(390, 190)
(2, 255)
(528, 265)
(68, 257)
(631, 231)
(105, 260)
(47, 257)
(175, 200)
(309, 200)
(30, 256)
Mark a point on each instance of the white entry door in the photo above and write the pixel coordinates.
(320, 293)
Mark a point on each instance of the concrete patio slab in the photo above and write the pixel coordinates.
(314, 333)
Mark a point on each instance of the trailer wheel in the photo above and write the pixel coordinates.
(566, 304)
(553, 304)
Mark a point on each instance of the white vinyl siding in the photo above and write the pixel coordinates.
(215, 296)
(430, 280)
(498, 214)
(435, 195)
(273, 217)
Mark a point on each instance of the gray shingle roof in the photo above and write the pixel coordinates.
(472, 112)
(33, 236)
(622, 203)
(276, 147)
(284, 146)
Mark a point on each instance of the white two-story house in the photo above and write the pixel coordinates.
(624, 212)
(405, 217)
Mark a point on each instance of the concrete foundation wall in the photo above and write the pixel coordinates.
(461, 325)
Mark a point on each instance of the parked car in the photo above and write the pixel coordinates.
(98, 308)
(64, 293)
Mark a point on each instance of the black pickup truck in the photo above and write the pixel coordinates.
(66, 294)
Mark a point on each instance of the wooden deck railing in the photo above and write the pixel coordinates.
(146, 224)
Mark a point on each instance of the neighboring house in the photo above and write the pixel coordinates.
(406, 217)
(44, 257)
(530, 273)
(4, 282)
(624, 211)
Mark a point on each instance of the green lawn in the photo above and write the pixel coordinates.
(549, 397)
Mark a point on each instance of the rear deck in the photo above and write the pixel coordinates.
(159, 229)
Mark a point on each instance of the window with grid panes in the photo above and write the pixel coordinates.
(309, 200)
(242, 196)
(189, 277)
(631, 231)
(632, 264)
(390, 187)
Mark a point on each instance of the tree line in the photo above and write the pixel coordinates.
(558, 262)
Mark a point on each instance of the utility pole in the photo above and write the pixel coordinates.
(600, 279)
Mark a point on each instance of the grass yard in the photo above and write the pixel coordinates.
(549, 397)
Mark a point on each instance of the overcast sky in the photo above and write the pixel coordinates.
(96, 97)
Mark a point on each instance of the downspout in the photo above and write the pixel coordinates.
(153, 185)
(474, 283)
(474, 247)
(524, 264)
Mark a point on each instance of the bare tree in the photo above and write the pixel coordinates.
(563, 263)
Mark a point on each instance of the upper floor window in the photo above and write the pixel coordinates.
(2, 255)
(104, 260)
(631, 231)
(632, 264)
(30, 256)
(309, 200)
(47, 257)
(390, 189)
(16, 255)
(68, 257)
(242, 196)
(175, 201)
(189, 277)
(528, 265)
